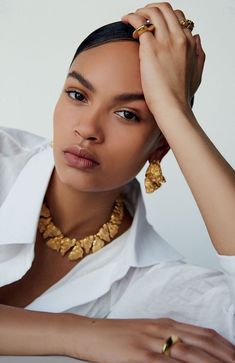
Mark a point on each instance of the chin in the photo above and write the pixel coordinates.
(88, 182)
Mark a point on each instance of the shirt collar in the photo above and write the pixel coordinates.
(20, 210)
(22, 206)
(144, 246)
(140, 247)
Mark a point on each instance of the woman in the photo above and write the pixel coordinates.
(125, 101)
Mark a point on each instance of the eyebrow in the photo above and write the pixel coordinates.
(82, 80)
(122, 97)
(130, 97)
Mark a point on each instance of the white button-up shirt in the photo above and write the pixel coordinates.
(137, 275)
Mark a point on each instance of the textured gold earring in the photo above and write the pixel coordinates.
(51, 143)
(153, 177)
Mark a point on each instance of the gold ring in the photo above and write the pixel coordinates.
(146, 27)
(188, 24)
(173, 339)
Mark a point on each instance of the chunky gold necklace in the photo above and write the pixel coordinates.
(79, 248)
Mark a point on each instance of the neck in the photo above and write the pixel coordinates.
(75, 213)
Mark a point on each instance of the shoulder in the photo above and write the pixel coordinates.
(14, 141)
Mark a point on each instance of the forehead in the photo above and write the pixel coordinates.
(113, 63)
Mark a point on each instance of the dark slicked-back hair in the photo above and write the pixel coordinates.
(112, 32)
(108, 33)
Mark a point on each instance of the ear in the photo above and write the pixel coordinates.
(161, 149)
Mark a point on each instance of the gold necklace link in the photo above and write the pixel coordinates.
(80, 248)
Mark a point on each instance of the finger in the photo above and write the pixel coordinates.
(210, 343)
(180, 16)
(199, 63)
(160, 358)
(185, 352)
(156, 17)
(190, 354)
(197, 330)
(173, 18)
(200, 53)
(136, 21)
(170, 17)
(204, 339)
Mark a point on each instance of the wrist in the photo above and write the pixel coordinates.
(75, 335)
(169, 100)
(171, 111)
(59, 335)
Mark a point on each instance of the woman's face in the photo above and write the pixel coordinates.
(101, 110)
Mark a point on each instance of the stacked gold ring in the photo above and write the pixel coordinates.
(188, 24)
(149, 27)
(173, 339)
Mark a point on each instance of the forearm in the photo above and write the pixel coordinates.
(209, 176)
(24, 332)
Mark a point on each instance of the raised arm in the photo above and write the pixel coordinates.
(171, 63)
(209, 176)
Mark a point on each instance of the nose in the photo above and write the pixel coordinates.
(89, 127)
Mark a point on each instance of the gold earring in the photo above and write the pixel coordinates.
(153, 177)
(51, 144)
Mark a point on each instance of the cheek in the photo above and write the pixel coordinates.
(131, 149)
(57, 115)
(141, 143)
(61, 112)
(62, 119)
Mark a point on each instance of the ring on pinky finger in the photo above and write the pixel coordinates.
(187, 24)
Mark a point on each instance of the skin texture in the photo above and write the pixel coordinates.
(97, 123)
(169, 72)
(171, 60)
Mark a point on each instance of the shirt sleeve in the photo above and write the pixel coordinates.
(16, 148)
(227, 264)
(186, 293)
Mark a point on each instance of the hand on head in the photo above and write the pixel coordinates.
(171, 58)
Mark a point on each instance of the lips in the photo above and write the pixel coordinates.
(82, 153)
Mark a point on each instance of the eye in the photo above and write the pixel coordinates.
(76, 95)
(128, 115)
